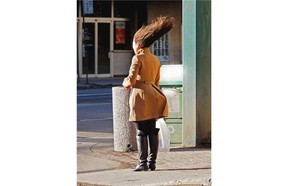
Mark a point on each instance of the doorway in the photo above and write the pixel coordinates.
(103, 49)
(96, 48)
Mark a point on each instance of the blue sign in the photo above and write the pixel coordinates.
(87, 6)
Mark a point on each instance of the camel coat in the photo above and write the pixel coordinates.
(146, 99)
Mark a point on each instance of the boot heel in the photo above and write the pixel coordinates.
(152, 166)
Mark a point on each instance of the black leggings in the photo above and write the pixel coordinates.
(144, 128)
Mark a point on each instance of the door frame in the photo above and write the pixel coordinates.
(111, 34)
(97, 21)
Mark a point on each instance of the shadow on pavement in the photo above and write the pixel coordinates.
(89, 171)
(199, 148)
(182, 169)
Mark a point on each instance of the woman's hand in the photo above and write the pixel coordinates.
(127, 87)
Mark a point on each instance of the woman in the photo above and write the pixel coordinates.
(147, 102)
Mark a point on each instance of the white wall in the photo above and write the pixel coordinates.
(121, 62)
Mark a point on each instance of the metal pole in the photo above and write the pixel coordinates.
(84, 43)
(78, 31)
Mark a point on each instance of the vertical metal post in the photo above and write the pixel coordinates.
(78, 31)
(189, 72)
(84, 43)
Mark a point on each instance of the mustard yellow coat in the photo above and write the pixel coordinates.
(146, 99)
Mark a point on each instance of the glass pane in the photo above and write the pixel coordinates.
(102, 8)
(78, 8)
(122, 35)
(160, 48)
(88, 48)
(103, 48)
(121, 7)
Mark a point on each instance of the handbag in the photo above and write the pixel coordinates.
(163, 135)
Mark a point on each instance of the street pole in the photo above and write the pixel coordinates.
(84, 43)
(78, 79)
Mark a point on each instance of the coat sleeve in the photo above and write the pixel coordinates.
(133, 72)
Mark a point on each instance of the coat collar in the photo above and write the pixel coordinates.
(143, 51)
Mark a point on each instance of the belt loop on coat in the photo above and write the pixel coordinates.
(145, 82)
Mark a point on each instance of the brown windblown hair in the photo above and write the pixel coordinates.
(146, 35)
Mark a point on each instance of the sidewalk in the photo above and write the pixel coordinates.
(98, 163)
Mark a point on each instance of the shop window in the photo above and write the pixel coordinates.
(122, 35)
(160, 48)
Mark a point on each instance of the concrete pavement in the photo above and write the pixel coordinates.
(99, 164)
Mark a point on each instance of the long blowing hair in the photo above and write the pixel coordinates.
(146, 35)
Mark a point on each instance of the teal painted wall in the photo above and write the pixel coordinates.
(203, 71)
(189, 73)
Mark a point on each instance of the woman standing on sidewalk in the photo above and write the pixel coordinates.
(147, 102)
